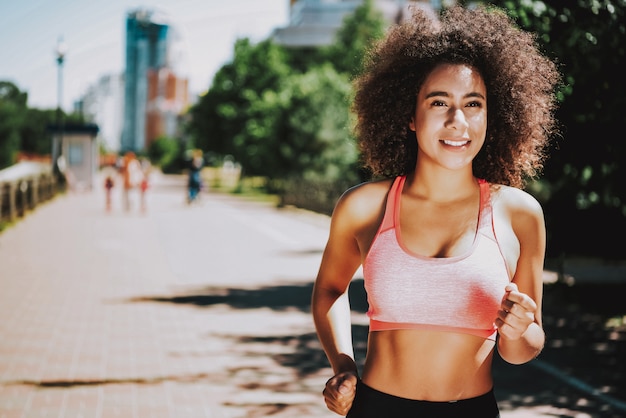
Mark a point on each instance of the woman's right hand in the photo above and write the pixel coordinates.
(340, 391)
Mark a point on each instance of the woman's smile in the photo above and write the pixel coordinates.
(455, 143)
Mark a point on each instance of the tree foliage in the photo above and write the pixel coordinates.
(583, 187)
(163, 153)
(219, 117)
(357, 33)
(23, 128)
(301, 130)
(12, 112)
(284, 113)
(34, 135)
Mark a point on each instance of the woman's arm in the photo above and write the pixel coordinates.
(330, 305)
(353, 225)
(521, 336)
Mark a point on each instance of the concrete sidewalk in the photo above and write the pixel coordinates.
(182, 311)
(94, 320)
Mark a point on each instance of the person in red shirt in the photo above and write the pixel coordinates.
(109, 183)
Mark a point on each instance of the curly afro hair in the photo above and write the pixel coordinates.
(520, 82)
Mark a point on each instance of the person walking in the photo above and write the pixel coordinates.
(454, 114)
(132, 176)
(144, 184)
(109, 183)
(194, 182)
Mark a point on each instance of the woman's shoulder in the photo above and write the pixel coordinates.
(515, 199)
(519, 223)
(519, 206)
(363, 201)
(363, 194)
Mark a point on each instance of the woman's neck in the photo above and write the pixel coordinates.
(441, 186)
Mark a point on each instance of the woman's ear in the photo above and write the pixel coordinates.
(412, 124)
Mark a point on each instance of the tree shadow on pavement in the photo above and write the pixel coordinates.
(279, 298)
(586, 339)
(72, 383)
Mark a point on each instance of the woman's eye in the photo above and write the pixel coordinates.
(474, 104)
(438, 103)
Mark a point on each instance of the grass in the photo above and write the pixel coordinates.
(253, 188)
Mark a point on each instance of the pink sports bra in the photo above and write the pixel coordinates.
(457, 294)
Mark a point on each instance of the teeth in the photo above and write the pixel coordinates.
(455, 143)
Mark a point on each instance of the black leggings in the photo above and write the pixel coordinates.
(371, 403)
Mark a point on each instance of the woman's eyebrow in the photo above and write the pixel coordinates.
(475, 94)
(436, 94)
(445, 94)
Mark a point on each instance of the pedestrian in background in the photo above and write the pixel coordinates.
(194, 182)
(144, 184)
(453, 115)
(109, 183)
(132, 176)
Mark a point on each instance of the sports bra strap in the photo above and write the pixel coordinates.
(484, 193)
(393, 200)
(485, 219)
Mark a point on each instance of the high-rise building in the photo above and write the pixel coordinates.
(154, 95)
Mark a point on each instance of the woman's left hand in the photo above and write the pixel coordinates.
(517, 312)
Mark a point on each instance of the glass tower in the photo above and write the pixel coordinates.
(146, 50)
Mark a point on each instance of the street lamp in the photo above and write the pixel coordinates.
(57, 151)
(60, 51)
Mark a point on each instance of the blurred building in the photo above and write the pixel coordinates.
(154, 93)
(314, 23)
(167, 98)
(103, 104)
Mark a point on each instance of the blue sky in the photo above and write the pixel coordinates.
(93, 31)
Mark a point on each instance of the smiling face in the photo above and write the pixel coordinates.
(450, 120)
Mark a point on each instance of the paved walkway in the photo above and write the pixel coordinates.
(190, 311)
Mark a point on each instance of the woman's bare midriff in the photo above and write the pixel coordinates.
(428, 365)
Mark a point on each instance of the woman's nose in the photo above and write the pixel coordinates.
(457, 119)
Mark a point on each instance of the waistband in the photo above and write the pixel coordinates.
(370, 402)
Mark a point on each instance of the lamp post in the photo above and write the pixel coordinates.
(60, 51)
(57, 152)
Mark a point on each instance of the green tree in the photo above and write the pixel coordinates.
(303, 129)
(284, 113)
(220, 116)
(163, 152)
(12, 110)
(583, 184)
(358, 31)
(34, 135)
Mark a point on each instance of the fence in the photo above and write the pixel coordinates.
(23, 187)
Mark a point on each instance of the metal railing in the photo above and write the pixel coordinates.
(23, 187)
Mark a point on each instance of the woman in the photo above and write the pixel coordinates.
(453, 116)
